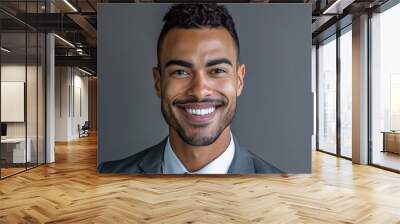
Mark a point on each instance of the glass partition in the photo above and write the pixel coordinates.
(31, 99)
(346, 93)
(22, 77)
(41, 96)
(327, 95)
(14, 153)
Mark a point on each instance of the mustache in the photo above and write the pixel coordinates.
(216, 101)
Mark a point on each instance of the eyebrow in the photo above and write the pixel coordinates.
(190, 65)
(219, 61)
(179, 62)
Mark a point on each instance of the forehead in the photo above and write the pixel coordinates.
(197, 44)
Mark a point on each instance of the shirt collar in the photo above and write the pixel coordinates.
(220, 165)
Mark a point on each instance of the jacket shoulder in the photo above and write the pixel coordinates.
(126, 165)
(262, 166)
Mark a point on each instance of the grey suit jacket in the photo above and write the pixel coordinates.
(149, 161)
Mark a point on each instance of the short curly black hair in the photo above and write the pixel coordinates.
(197, 15)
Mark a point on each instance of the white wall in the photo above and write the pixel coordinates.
(79, 112)
(314, 92)
(16, 73)
(33, 126)
(70, 83)
(62, 81)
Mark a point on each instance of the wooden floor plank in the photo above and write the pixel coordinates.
(70, 191)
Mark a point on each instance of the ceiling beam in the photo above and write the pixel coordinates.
(84, 24)
(82, 61)
(337, 7)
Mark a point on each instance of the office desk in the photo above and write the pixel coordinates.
(13, 150)
(391, 141)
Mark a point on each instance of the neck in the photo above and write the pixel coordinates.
(196, 157)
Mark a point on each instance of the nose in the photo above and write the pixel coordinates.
(199, 86)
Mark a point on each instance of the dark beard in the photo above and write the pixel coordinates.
(193, 140)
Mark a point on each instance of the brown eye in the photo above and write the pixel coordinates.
(180, 73)
(218, 71)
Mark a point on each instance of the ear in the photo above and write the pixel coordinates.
(157, 81)
(241, 72)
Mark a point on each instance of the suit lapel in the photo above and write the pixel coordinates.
(152, 161)
(242, 161)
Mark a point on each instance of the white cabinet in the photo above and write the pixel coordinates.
(19, 154)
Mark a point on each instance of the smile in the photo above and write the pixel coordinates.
(200, 112)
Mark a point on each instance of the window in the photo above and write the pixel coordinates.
(385, 88)
(327, 95)
(346, 92)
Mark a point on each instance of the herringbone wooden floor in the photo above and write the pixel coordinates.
(70, 191)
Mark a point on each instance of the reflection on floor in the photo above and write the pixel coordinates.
(386, 159)
(71, 191)
(8, 170)
(346, 152)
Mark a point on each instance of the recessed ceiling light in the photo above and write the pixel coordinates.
(328, 10)
(5, 50)
(70, 5)
(337, 7)
(84, 71)
(64, 40)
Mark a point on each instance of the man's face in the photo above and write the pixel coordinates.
(198, 82)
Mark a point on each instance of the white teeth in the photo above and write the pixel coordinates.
(201, 112)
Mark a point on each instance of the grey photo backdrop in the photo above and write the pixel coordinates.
(274, 116)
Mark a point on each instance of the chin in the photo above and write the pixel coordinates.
(206, 141)
(196, 139)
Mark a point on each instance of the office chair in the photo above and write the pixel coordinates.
(84, 130)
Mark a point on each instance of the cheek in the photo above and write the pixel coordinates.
(171, 89)
(227, 88)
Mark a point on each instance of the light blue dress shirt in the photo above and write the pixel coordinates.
(220, 165)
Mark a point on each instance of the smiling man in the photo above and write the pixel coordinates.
(198, 78)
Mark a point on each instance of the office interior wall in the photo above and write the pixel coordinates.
(41, 97)
(17, 130)
(71, 102)
(274, 113)
(62, 113)
(92, 89)
(32, 111)
(12, 97)
(16, 73)
(24, 63)
(81, 104)
(314, 93)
